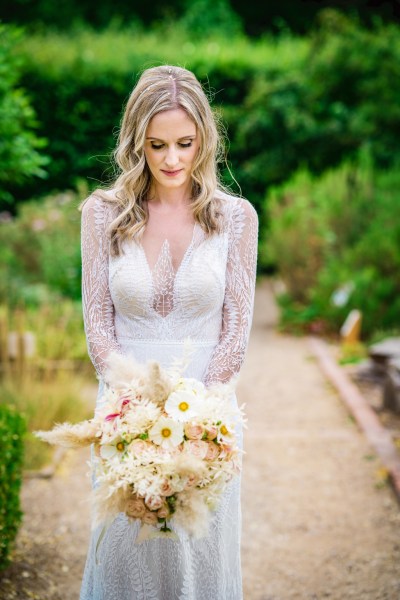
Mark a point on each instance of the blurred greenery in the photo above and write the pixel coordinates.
(20, 155)
(12, 430)
(258, 18)
(311, 123)
(41, 251)
(42, 403)
(336, 241)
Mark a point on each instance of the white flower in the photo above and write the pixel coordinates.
(183, 405)
(110, 451)
(166, 433)
(225, 434)
(191, 385)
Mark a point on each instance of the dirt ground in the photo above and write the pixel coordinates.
(318, 521)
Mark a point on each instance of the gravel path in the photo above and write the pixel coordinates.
(317, 523)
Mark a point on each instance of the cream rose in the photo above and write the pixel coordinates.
(138, 447)
(197, 447)
(154, 502)
(166, 488)
(191, 481)
(150, 518)
(212, 451)
(194, 432)
(212, 432)
(135, 508)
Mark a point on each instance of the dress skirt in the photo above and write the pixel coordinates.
(209, 568)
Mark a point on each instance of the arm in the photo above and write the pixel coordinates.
(237, 314)
(97, 305)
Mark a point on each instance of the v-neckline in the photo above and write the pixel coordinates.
(166, 243)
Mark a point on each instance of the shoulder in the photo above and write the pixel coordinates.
(237, 212)
(98, 209)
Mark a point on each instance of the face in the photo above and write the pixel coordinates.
(171, 145)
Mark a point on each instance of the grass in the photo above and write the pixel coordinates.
(44, 403)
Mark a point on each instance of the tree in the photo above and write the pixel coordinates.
(20, 158)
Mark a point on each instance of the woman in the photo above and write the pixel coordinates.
(167, 254)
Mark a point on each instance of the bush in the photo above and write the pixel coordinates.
(12, 429)
(337, 245)
(20, 158)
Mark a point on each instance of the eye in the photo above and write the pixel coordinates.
(186, 144)
(157, 146)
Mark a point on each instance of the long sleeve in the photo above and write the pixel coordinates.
(97, 305)
(237, 314)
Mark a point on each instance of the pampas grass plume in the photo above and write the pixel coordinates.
(70, 436)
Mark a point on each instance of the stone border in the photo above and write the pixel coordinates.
(377, 435)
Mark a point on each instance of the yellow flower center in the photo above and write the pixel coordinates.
(120, 446)
(224, 430)
(166, 433)
(183, 406)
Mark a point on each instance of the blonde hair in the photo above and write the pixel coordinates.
(159, 89)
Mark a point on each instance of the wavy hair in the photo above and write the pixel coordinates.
(159, 89)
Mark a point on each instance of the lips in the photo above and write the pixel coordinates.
(171, 173)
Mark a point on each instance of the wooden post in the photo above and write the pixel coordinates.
(351, 328)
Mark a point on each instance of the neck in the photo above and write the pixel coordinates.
(170, 197)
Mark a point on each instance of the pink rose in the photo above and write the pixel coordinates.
(163, 512)
(135, 508)
(212, 432)
(154, 502)
(166, 488)
(212, 451)
(194, 432)
(191, 481)
(197, 448)
(151, 518)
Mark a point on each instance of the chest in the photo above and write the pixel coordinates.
(143, 286)
(174, 230)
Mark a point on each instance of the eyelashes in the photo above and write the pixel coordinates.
(181, 144)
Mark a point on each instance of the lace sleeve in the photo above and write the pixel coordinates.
(229, 353)
(97, 305)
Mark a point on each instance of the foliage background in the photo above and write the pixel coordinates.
(308, 93)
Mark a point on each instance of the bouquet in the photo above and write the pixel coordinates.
(164, 447)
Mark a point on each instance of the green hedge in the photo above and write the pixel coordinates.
(78, 84)
(336, 241)
(20, 156)
(12, 429)
(287, 102)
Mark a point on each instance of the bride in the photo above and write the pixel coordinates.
(168, 254)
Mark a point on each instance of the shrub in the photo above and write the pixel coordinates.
(337, 245)
(12, 429)
(319, 110)
(41, 251)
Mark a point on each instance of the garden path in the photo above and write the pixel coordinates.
(316, 522)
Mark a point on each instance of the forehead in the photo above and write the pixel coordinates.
(171, 124)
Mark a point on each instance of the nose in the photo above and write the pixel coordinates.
(172, 158)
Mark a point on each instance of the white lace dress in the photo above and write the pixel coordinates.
(148, 313)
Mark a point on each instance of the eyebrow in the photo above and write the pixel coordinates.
(185, 137)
